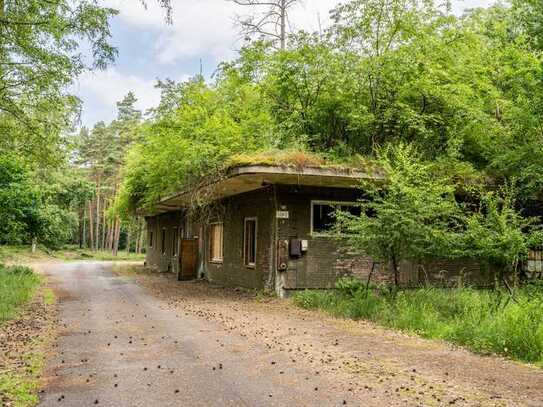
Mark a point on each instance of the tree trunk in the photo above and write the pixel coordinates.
(81, 222)
(116, 238)
(396, 272)
(283, 24)
(128, 236)
(84, 243)
(103, 240)
(109, 239)
(91, 226)
(97, 234)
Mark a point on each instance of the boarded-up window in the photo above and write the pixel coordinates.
(323, 214)
(249, 241)
(151, 238)
(175, 241)
(216, 242)
(163, 242)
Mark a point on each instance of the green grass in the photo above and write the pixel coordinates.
(17, 286)
(485, 321)
(9, 254)
(19, 384)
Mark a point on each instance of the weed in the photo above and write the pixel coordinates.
(482, 320)
(17, 286)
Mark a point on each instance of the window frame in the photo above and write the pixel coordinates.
(175, 241)
(215, 260)
(246, 263)
(150, 240)
(330, 203)
(163, 248)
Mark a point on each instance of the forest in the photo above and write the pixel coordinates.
(451, 106)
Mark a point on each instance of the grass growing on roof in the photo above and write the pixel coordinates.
(300, 159)
(484, 321)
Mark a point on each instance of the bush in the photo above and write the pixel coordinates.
(483, 321)
(350, 286)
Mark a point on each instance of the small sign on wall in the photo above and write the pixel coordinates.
(282, 214)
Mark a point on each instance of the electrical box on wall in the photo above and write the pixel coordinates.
(295, 247)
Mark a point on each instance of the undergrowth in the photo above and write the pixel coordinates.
(485, 321)
(17, 286)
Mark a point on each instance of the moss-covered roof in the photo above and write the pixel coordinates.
(243, 173)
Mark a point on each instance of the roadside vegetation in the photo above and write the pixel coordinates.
(22, 254)
(484, 321)
(25, 331)
(17, 287)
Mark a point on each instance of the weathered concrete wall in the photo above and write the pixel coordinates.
(154, 257)
(233, 271)
(325, 261)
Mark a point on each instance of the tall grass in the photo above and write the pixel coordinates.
(17, 287)
(484, 321)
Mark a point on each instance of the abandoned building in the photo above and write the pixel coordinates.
(269, 226)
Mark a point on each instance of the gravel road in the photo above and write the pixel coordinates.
(148, 340)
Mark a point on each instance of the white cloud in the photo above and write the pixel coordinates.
(206, 27)
(101, 90)
(110, 86)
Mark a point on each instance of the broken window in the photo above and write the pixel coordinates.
(323, 216)
(163, 243)
(249, 242)
(216, 242)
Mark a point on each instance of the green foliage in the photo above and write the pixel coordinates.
(36, 208)
(496, 232)
(192, 141)
(17, 287)
(40, 56)
(416, 215)
(412, 216)
(483, 321)
(466, 92)
(350, 287)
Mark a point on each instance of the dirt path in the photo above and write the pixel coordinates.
(165, 343)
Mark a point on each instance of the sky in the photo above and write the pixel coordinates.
(202, 30)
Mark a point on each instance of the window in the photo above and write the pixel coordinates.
(150, 238)
(323, 214)
(249, 242)
(216, 242)
(175, 241)
(163, 242)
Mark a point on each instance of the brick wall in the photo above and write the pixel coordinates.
(154, 257)
(325, 261)
(233, 271)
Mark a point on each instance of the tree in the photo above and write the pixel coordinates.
(39, 58)
(526, 20)
(497, 234)
(36, 208)
(269, 24)
(412, 216)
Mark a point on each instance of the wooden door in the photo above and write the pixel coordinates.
(189, 259)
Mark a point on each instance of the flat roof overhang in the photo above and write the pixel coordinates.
(252, 177)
